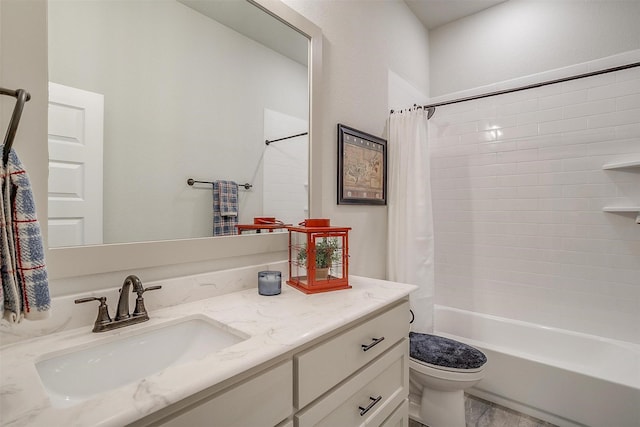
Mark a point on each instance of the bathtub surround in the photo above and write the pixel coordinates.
(518, 193)
(567, 378)
(410, 226)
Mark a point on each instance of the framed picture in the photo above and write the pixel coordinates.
(362, 168)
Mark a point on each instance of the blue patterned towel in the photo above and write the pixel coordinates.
(225, 193)
(25, 287)
(228, 196)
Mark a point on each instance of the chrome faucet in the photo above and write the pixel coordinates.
(123, 318)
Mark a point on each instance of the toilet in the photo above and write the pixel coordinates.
(440, 370)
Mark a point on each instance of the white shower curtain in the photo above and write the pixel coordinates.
(410, 227)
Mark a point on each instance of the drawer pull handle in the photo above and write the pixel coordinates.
(375, 342)
(371, 405)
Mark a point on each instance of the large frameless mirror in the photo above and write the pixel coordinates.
(145, 95)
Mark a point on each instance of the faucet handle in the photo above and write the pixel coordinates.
(143, 290)
(103, 312)
(103, 300)
(140, 309)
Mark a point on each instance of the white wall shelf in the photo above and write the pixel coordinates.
(635, 210)
(621, 209)
(621, 165)
(635, 163)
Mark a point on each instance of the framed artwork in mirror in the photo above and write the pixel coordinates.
(362, 168)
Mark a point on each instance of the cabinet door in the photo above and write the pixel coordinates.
(327, 364)
(366, 399)
(399, 417)
(264, 400)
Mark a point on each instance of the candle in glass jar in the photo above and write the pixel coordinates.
(269, 282)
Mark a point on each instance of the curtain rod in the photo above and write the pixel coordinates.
(267, 142)
(432, 107)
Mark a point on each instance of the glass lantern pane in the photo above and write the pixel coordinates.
(298, 256)
(328, 256)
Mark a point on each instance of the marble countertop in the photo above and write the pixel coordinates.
(276, 326)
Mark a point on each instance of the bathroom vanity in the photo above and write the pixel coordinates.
(337, 358)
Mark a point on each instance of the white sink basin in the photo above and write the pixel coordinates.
(80, 374)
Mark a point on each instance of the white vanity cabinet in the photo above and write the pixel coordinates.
(263, 400)
(358, 376)
(335, 358)
(367, 398)
(399, 417)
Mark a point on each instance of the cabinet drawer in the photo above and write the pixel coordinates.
(264, 400)
(368, 398)
(325, 365)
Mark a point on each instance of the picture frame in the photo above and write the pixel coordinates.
(362, 168)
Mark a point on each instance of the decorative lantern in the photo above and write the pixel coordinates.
(318, 256)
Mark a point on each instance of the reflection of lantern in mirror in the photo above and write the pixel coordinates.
(318, 256)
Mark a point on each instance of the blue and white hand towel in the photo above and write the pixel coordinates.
(228, 194)
(225, 208)
(25, 287)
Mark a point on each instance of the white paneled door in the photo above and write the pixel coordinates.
(75, 166)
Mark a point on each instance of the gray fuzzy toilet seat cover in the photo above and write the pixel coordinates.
(441, 351)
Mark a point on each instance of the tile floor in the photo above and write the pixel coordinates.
(481, 413)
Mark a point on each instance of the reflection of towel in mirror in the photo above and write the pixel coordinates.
(25, 287)
(228, 194)
(225, 208)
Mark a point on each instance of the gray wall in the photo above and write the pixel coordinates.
(363, 40)
(23, 64)
(521, 37)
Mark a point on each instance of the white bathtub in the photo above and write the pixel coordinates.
(566, 378)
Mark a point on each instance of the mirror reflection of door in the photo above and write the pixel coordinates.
(75, 166)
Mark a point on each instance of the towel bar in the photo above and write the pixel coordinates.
(192, 181)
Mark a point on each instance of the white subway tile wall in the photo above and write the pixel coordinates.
(518, 192)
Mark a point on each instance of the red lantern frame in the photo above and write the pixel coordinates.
(316, 236)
